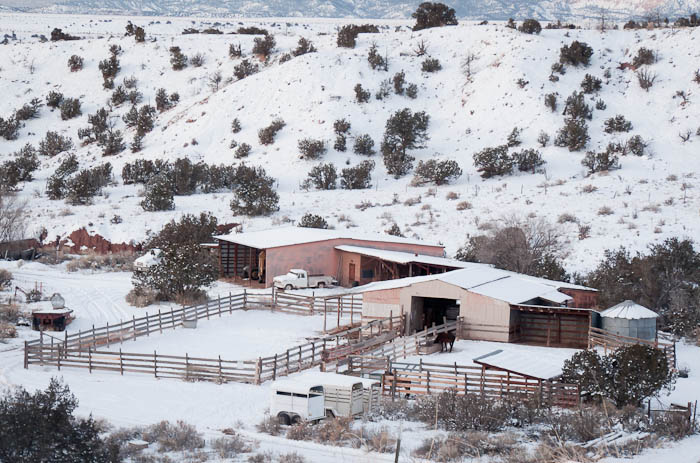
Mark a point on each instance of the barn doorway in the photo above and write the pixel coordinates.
(428, 310)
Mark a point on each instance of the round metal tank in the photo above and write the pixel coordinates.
(631, 320)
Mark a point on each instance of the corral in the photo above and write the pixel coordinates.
(352, 258)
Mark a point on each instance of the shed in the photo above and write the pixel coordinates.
(630, 319)
(547, 366)
(491, 304)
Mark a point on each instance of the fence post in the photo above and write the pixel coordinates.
(155, 361)
(133, 321)
(325, 314)
(206, 307)
(313, 352)
(58, 346)
(94, 341)
(245, 299)
(219, 306)
(258, 371)
(148, 325)
(312, 302)
(352, 309)
(26, 355)
(90, 359)
(160, 322)
(187, 366)
(121, 362)
(299, 358)
(221, 379)
(107, 334)
(230, 302)
(41, 346)
(274, 369)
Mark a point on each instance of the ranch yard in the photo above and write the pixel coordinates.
(141, 400)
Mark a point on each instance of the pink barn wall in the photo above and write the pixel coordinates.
(322, 257)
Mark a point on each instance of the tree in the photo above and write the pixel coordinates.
(528, 160)
(361, 95)
(267, 134)
(436, 172)
(431, 14)
(358, 177)
(310, 220)
(530, 246)
(364, 145)
(311, 149)
(591, 84)
(627, 376)
(530, 26)
(70, 108)
(75, 63)
(574, 134)
(254, 193)
(244, 69)
(321, 177)
(54, 144)
(159, 194)
(304, 46)
(12, 219)
(404, 131)
(177, 59)
(41, 427)
(183, 270)
(576, 53)
(264, 46)
(493, 161)
(601, 162)
(348, 34)
(617, 124)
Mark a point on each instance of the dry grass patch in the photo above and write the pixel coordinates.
(605, 210)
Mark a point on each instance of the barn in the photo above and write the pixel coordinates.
(490, 304)
(353, 258)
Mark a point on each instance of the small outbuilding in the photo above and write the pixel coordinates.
(630, 319)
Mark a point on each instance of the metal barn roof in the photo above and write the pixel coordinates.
(629, 310)
(289, 236)
(403, 257)
(483, 279)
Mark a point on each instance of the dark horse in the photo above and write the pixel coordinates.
(444, 339)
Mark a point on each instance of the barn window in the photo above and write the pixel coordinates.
(367, 273)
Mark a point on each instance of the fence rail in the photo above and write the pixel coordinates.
(83, 349)
(609, 340)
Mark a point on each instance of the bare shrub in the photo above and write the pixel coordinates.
(7, 331)
(118, 262)
(230, 446)
(173, 437)
(269, 425)
(464, 205)
(589, 188)
(291, 457)
(605, 210)
(452, 195)
(567, 218)
(141, 297)
(377, 440)
(300, 431)
(646, 79)
(5, 278)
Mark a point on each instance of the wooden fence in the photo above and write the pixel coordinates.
(50, 350)
(401, 378)
(612, 341)
(144, 326)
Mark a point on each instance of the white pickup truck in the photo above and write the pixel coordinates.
(298, 278)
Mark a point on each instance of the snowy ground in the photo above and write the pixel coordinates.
(140, 399)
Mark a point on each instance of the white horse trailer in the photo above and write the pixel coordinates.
(297, 400)
(344, 395)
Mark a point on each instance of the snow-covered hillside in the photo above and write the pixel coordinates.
(472, 9)
(651, 197)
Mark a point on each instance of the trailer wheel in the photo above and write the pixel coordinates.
(330, 414)
(283, 419)
(288, 287)
(321, 284)
(296, 419)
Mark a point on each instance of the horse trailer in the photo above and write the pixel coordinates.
(342, 395)
(297, 400)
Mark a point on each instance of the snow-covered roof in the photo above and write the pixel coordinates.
(629, 310)
(483, 279)
(403, 257)
(547, 365)
(288, 236)
(301, 384)
(335, 379)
